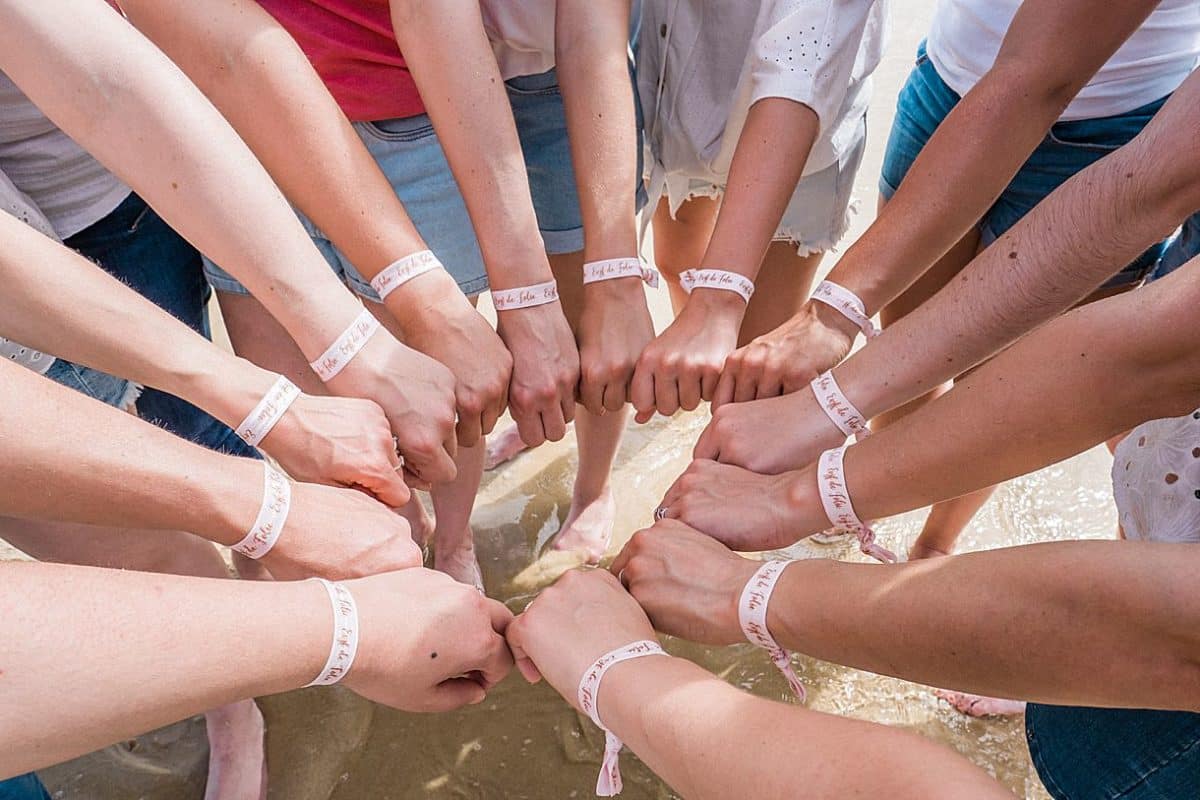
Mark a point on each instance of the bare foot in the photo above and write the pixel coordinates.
(919, 551)
(419, 521)
(974, 705)
(589, 526)
(503, 446)
(456, 557)
(237, 765)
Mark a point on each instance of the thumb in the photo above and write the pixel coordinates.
(456, 693)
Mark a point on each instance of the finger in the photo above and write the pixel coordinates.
(641, 392)
(501, 616)
(491, 415)
(553, 423)
(529, 426)
(591, 396)
(746, 388)
(524, 663)
(497, 663)
(568, 407)
(708, 384)
(707, 445)
(469, 429)
(616, 393)
(390, 489)
(689, 390)
(456, 693)
(622, 560)
(441, 468)
(666, 394)
(414, 480)
(723, 393)
(769, 385)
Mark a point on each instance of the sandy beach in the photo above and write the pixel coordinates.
(525, 742)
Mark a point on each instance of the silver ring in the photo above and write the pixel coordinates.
(621, 579)
(660, 513)
(400, 466)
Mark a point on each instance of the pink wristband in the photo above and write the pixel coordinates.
(848, 304)
(353, 339)
(837, 407)
(403, 270)
(609, 782)
(752, 614)
(345, 635)
(717, 279)
(275, 403)
(614, 268)
(835, 497)
(272, 514)
(525, 296)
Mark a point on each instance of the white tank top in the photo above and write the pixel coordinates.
(966, 36)
(57, 176)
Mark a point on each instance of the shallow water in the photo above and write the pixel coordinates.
(525, 742)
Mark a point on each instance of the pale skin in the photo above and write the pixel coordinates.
(706, 738)
(1054, 257)
(683, 365)
(1023, 408)
(179, 645)
(473, 117)
(143, 120)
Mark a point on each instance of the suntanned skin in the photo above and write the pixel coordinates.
(1068, 245)
(706, 738)
(975, 152)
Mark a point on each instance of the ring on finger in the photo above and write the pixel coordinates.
(660, 513)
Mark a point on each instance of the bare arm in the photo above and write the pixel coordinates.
(257, 76)
(1067, 246)
(704, 737)
(120, 98)
(83, 674)
(68, 459)
(1040, 622)
(446, 48)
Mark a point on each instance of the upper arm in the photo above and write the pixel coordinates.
(1054, 47)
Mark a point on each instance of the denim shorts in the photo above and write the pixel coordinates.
(1068, 148)
(1114, 754)
(137, 247)
(23, 787)
(410, 156)
(1183, 247)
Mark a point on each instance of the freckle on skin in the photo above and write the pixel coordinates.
(433, 654)
(1013, 254)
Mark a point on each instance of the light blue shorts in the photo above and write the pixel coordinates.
(410, 156)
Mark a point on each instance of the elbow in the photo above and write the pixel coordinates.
(1046, 87)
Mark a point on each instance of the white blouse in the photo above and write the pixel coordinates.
(703, 63)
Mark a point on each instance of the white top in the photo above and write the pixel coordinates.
(69, 187)
(522, 35)
(966, 35)
(703, 63)
(1156, 480)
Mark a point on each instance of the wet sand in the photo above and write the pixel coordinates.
(525, 742)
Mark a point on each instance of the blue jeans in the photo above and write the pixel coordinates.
(1115, 754)
(24, 787)
(1183, 248)
(1067, 149)
(411, 158)
(134, 245)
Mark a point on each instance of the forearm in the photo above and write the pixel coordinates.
(983, 141)
(135, 475)
(258, 77)
(159, 648)
(1079, 381)
(1083, 233)
(125, 102)
(447, 50)
(709, 740)
(1040, 622)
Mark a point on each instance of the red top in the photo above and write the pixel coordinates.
(353, 47)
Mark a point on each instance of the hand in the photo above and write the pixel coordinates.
(339, 534)
(340, 441)
(417, 395)
(427, 642)
(688, 583)
(769, 436)
(584, 615)
(742, 509)
(682, 366)
(445, 326)
(614, 329)
(787, 358)
(541, 394)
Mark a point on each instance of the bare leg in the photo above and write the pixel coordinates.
(236, 764)
(589, 524)
(783, 285)
(679, 243)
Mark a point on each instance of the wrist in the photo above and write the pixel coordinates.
(426, 299)
(717, 305)
(831, 319)
(806, 513)
(229, 501)
(236, 387)
(517, 266)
